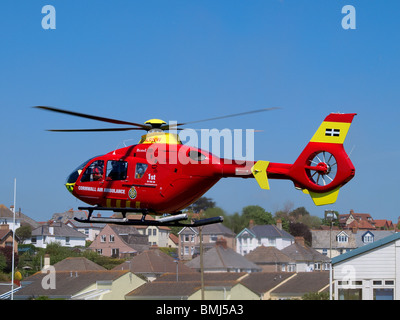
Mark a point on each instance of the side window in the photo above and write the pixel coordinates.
(94, 172)
(140, 170)
(196, 155)
(117, 170)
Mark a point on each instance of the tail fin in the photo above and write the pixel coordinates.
(324, 167)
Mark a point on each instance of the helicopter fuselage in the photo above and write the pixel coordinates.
(162, 178)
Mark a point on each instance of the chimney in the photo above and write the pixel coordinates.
(300, 241)
(279, 224)
(222, 243)
(251, 224)
(4, 227)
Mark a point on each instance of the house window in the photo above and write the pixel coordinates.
(368, 238)
(67, 240)
(186, 252)
(115, 253)
(154, 232)
(342, 238)
(33, 240)
(103, 238)
(383, 293)
(350, 294)
(99, 251)
(213, 238)
(111, 238)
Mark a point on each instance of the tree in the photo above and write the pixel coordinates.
(316, 296)
(298, 229)
(3, 262)
(257, 214)
(23, 233)
(298, 213)
(203, 203)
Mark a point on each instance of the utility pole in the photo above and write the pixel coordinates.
(201, 263)
(13, 245)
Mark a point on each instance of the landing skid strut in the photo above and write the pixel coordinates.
(168, 221)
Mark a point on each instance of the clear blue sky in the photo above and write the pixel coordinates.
(188, 60)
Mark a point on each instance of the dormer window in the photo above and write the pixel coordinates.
(342, 237)
(368, 237)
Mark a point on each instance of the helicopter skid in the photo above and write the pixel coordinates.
(168, 221)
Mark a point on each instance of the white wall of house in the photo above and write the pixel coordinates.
(377, 270)
(246, 244)
(43, 241)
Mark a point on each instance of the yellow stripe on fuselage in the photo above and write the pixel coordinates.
(331, 132)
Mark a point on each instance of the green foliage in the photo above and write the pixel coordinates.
(316, 296)
(3, 262)
(23, 233)
(203, 203)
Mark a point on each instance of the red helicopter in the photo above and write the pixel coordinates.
(162, 176)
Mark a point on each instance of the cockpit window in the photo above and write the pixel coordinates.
(117, 170)
(140, 170)
(196, 155)
(94, 172)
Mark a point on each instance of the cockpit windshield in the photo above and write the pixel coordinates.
(75, 174)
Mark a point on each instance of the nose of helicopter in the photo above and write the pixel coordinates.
(71, 180)
(70, 186)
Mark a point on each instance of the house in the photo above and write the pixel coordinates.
(370, 272)
(267, 235)
(76, 264)
(119, 241)
(221, 258)
(356, 220)
(305, 258)
(56, 232)
(233, 286)
(153, 263)
(217, 286)
(6, 238)
(91, 230)
(157, 235)
(270, 259)
(80, 285)
(173, 241)
(189, 239)
(383, 224)
(300, 284)
(263, 283)
(342, 241)
(7, 217)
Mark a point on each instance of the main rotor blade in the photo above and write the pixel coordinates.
(88, 116)
(226, 116)
(93, 130)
